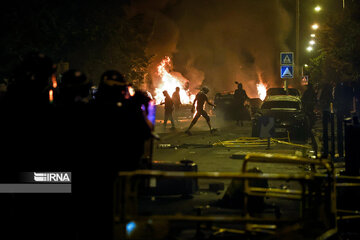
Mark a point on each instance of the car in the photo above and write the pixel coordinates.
(226, 109)
(281, 91)
(224, 104)
(289, 117)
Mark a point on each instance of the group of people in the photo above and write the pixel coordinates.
(171, 104)
(174, 102)
(57, 125)
(198, 107)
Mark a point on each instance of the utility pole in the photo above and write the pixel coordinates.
(297, 50)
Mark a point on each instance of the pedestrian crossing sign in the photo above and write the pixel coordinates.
(286, 58)
(287, 71)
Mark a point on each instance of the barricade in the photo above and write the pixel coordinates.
(318, 190)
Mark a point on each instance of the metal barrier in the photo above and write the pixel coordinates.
(309, 194)
(347, 182)
(315, 187)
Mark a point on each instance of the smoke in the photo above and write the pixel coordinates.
(216, 43)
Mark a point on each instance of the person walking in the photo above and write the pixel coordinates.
(177, 103)
(325, 99)
(241, 113)
(198, 105)
(169, 108)
(308, 100)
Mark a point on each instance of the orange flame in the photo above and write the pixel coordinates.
(51, 96)
(261, 88)
(53, 80)
(169, 83)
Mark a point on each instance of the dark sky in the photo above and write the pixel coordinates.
(211, 42)
(220, 42)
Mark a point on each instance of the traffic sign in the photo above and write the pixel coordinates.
(286, 58)
(287, 71)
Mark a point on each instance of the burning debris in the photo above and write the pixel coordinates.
(261, 88)
(169, 82)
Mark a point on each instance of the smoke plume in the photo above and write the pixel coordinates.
(216, 43)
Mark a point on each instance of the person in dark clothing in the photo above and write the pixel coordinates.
(169, 108)
(120, 135)
(309, 101)
(73, 130)
(177, 103)
(356, 87)
(240, 111)
(343, 103)
(29, 144)
(198, 106)
(325, 99)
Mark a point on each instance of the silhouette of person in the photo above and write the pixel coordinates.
(198, 105)
(343, 103)
(240, 111)
(27, 111)
(29, 145)
(309, 101)
(120, 137)
(169, 108)
(177, 102)
(325, 98)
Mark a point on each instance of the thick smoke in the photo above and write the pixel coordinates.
(216, 43)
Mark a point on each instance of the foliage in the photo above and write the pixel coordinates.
(339, 57)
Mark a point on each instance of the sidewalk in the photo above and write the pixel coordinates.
(339, 164)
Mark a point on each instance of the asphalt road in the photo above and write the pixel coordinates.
(221, 151)
(199, 147)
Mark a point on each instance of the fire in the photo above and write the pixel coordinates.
(261, 88)
(169, 83)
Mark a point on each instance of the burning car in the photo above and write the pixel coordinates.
(287, 111)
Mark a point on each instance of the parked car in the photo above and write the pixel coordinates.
(226, 109)
(281, 91)
(289, 117)
(224, 103)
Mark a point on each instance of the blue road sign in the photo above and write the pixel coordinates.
(286, 58)
(287, 71)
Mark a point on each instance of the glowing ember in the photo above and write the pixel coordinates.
(169, 83)
(261, 88)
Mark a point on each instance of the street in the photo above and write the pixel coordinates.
(222, 151)
(199, 147)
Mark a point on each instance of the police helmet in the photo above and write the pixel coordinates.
(76, 82)
(113, 78)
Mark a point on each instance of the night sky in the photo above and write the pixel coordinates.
(210, 42)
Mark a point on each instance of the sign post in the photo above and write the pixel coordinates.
(286, 66)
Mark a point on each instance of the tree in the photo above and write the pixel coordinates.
(339, 57)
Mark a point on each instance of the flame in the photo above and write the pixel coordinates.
(131, 91)
(261, 88)
(51, 96)
(53, 80)
(169, 83)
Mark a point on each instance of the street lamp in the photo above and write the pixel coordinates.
(317, 8)
(309, 48)
(311, 42)
(315, 26)
(312, 35)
